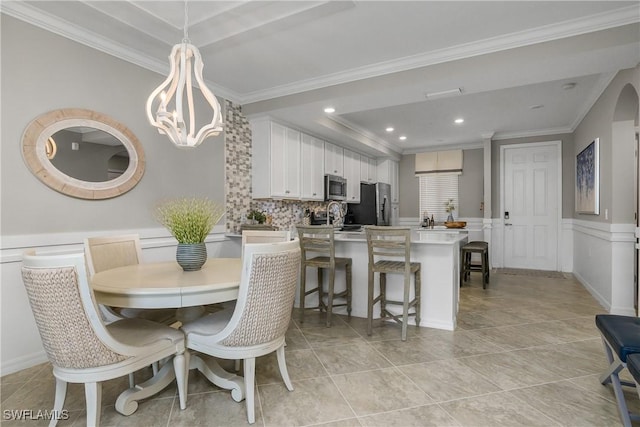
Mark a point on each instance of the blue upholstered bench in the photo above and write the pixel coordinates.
(633, 364)
(621, 338)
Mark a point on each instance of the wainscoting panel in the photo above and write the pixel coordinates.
(21, 345)
(603, 263)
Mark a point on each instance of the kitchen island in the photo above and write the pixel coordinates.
(439, 254)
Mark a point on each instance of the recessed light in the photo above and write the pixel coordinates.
(536, 107)
(389, 129)
(329, 110)
(402, 138)
(458, 121)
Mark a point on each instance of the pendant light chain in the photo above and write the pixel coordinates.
(186, 23)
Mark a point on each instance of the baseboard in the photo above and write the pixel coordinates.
(426, 323)
(23, 362)
(601, 300)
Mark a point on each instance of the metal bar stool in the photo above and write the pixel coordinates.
(467, 267)
(319, 240)
(392, 242)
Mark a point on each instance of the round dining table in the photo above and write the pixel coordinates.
(166, 285)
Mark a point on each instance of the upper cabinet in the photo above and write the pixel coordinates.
(439, 162)
(275, 161)
(352, 175)
(388, 172)
(312, 155)
(368, 170)
(333, 159)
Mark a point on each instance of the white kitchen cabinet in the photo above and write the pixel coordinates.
(388, 172)
(352, 175)
(333, 159)
(368, 170)
(275, 161)
(312, 168)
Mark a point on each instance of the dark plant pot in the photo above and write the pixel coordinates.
(191, 256)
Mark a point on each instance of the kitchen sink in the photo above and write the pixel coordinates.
(351, 228)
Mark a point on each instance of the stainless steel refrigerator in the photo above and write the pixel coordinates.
(374, 207)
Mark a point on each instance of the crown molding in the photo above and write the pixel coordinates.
(31, 15)
(575, 27)
(444, 147)
(369, 136)
(527, 134)
(599, 88)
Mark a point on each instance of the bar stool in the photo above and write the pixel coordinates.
(319, 239)
(465, 258)
(392, 242)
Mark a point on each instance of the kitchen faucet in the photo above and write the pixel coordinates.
(329, 205)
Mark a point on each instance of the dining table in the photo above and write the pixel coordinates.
(166, 285)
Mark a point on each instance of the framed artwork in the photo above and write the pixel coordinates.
(588, 179)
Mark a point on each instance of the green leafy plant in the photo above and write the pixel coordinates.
(449, 206)
(189, 220)
(260, 217)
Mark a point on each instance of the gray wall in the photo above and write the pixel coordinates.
(42, 72)
(470, 186)
(568, 170)
(598, 122)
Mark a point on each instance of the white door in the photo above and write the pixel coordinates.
(531, 205)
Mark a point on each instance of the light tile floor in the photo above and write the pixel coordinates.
(526, 352)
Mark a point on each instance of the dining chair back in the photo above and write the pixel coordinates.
(264, 236)
(107, 252)
(81, 348)
(261, 317)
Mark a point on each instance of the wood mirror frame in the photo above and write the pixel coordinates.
(34, 153)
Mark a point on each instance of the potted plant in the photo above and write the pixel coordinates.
(189, 220)
(257, 216)
(450, 207)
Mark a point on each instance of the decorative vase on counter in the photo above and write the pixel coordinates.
(191, 256)
(450, 217)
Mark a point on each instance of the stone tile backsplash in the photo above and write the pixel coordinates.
(284, 213)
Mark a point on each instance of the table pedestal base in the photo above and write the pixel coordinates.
(127, 402)
(210, 368)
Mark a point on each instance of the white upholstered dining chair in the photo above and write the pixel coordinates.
(259, 321)
(105, 253)
(264, 236)
(81, 348)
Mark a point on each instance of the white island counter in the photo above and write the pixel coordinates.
(439, 254)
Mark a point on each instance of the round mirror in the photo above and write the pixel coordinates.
(83, 154)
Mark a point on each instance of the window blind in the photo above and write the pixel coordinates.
(435, 192)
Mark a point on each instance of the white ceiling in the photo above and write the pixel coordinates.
(374, 61)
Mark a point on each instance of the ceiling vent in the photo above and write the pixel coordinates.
(443, 93)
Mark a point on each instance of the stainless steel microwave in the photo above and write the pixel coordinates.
(335, 187)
